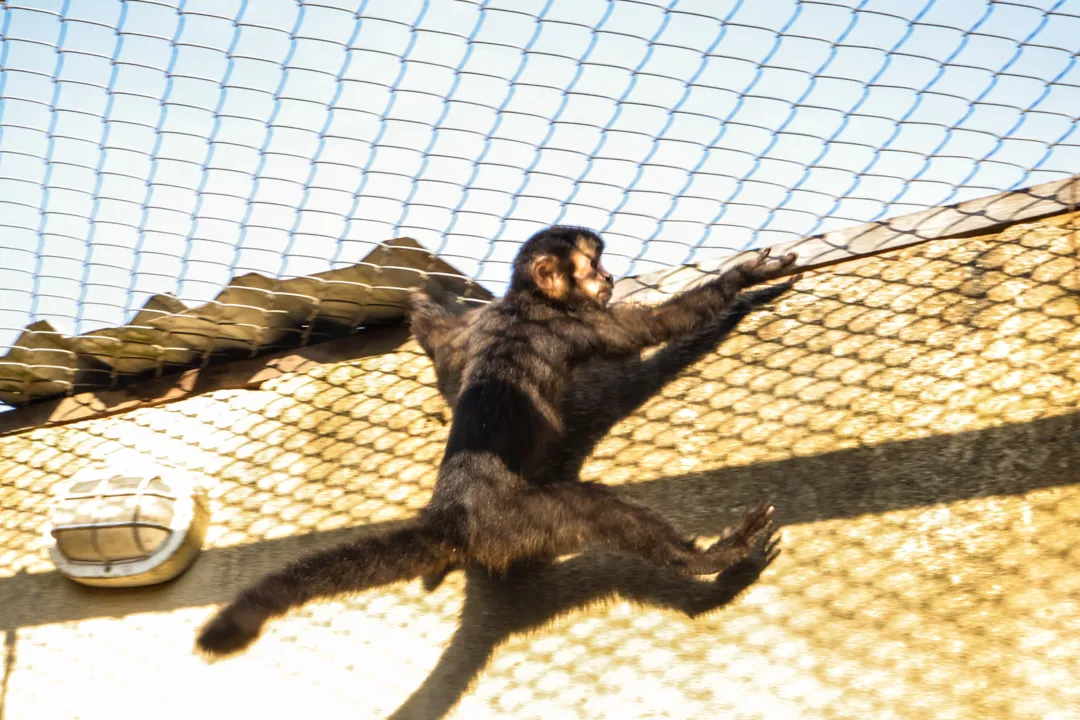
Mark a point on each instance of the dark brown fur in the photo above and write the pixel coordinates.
(490, 506)
(600, 393)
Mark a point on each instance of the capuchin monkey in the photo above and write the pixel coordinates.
(598, 395)
(488, 507)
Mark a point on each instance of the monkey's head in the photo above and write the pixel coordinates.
(563, 263)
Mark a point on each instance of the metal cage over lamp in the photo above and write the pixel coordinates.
(128, 530)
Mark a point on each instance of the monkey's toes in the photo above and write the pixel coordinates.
(766, 549)
(756, 524)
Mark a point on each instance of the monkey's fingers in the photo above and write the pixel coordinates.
(782, 263)
(426, 287)
(765, 267)
(420, 301)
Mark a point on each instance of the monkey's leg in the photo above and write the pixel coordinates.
(569, 517)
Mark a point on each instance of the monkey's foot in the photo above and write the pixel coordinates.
(756, 524)
(765, 267)
(736, 543)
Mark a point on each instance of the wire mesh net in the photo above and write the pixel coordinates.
(156, 155)
(179, 180)
(913, 417)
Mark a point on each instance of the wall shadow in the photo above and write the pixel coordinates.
(1008, 460)
(529, 598)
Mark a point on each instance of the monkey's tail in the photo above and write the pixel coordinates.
(381, 559)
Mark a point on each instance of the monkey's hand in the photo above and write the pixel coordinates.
(764, 267)
(427, 288)
(426, 300)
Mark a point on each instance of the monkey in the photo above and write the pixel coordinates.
(519, 353)
(600, 393)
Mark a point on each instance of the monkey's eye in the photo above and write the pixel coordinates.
(595, 263)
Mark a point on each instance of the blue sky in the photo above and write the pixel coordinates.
(151, 147)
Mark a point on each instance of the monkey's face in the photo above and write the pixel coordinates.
(572, 274)
(590, 282)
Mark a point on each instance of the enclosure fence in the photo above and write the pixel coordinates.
(186, 180)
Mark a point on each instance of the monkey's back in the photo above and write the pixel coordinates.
(511, 389)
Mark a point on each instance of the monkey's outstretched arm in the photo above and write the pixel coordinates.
(628, 328)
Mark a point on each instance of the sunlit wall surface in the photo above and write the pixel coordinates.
(913, 417)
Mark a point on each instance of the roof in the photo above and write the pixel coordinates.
(168, 351)
(254, 315)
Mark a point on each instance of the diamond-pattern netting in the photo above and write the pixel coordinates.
(151, 148)
(912, 416)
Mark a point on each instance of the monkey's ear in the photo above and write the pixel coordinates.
(548, 276)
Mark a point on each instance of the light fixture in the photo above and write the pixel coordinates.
(128, 529)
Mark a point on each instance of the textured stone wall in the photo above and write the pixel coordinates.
(913, 416)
